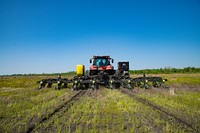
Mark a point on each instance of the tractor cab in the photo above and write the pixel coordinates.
(101, 63)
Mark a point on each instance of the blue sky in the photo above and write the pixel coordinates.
(50, 36)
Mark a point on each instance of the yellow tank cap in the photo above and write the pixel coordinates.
(80, 70)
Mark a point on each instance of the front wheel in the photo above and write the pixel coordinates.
(130, 86)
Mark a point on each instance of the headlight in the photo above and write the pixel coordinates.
(111, 81)
(75, 81)
(163, 80)
(129, 81)
(93, 81)
(58, 82)
(146, 80)
(41, 82)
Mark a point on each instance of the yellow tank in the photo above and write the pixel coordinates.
(80, 70)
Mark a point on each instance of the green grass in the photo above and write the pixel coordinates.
(110, 111)
(19, 112)
(98, 111)
(189, 79)
(184, 104)
(21, 102)
(19, 81)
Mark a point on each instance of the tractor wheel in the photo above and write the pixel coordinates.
(146, 86)
(155, 84)
(97, 86)
(117, 85)
(59, 86)
(130, 86)
(40, 87)
(111, 86)
(75, 87)
(86, 85)
(65, 86)
(163, 85)
(49, 85)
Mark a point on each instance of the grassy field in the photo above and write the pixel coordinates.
(23, 108)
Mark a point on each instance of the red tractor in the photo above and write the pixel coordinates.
(101, 64)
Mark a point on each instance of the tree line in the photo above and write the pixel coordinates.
(166, 70)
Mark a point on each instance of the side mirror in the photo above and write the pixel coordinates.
(112, 60)
(90, 60)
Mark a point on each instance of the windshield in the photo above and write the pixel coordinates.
(101, 62)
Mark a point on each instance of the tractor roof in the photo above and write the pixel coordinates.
(96, 57)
